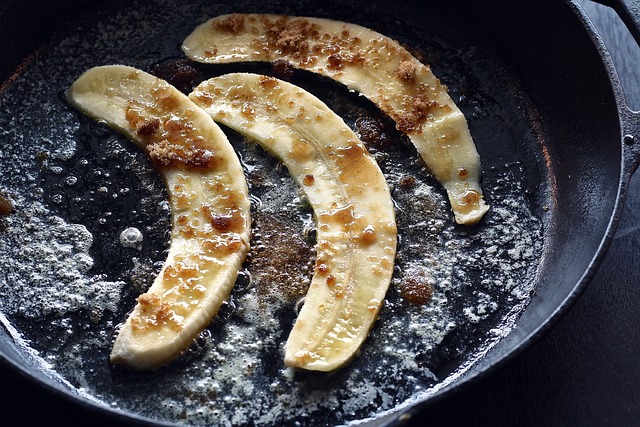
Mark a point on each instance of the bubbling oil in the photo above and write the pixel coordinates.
(91, 227)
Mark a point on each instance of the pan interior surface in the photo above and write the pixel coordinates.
(67, 281)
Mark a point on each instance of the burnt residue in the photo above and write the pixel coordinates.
(6, 205)
(180, 72)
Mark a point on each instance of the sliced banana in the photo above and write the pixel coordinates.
(209, 204)
(372, 64)
(356, 229)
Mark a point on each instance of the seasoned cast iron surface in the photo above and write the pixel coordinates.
(91, 225)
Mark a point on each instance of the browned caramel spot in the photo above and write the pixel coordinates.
(148, 127)
(331, 281)
(167, 154)
(463, 172)
(248, 111)
(407, 71)
(469, 201)
(301, 150)
(182, 219)
(222, 245)
(353, 163)
(337, 61)
(165, 98)
(303, 357)
(343, 216)
(180, 272)
(368, 236)
(153, 313)
(321, 267)
(308, 180)
(416, 289)
(133, 116)
(178, 145)
(267, 82)
(224, 223)
(233, 23)
(334, 62)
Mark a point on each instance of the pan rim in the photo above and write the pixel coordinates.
(627, 167)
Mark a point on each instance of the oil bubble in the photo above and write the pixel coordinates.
(131, 238)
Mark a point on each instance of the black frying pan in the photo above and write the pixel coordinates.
(568, 145)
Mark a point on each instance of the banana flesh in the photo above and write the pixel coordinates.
(355, 217)
(209, 203)
(372, 64)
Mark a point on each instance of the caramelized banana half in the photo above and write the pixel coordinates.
(209, 204)
(355, 217)
(372, 64)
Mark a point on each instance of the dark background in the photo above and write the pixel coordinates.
(583, 372)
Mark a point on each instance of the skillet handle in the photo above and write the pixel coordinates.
(629, 13)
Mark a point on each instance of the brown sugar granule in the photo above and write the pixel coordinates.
(6, 206)
(233, 24)
(308, 180)
(294, 36)
(407, 71)
(415, 114)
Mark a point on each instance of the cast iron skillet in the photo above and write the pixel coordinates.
(585, 155)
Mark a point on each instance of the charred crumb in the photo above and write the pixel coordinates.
(282, 69)
(180, 73)
(407, 182)
(6, 205)
(42, 156)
